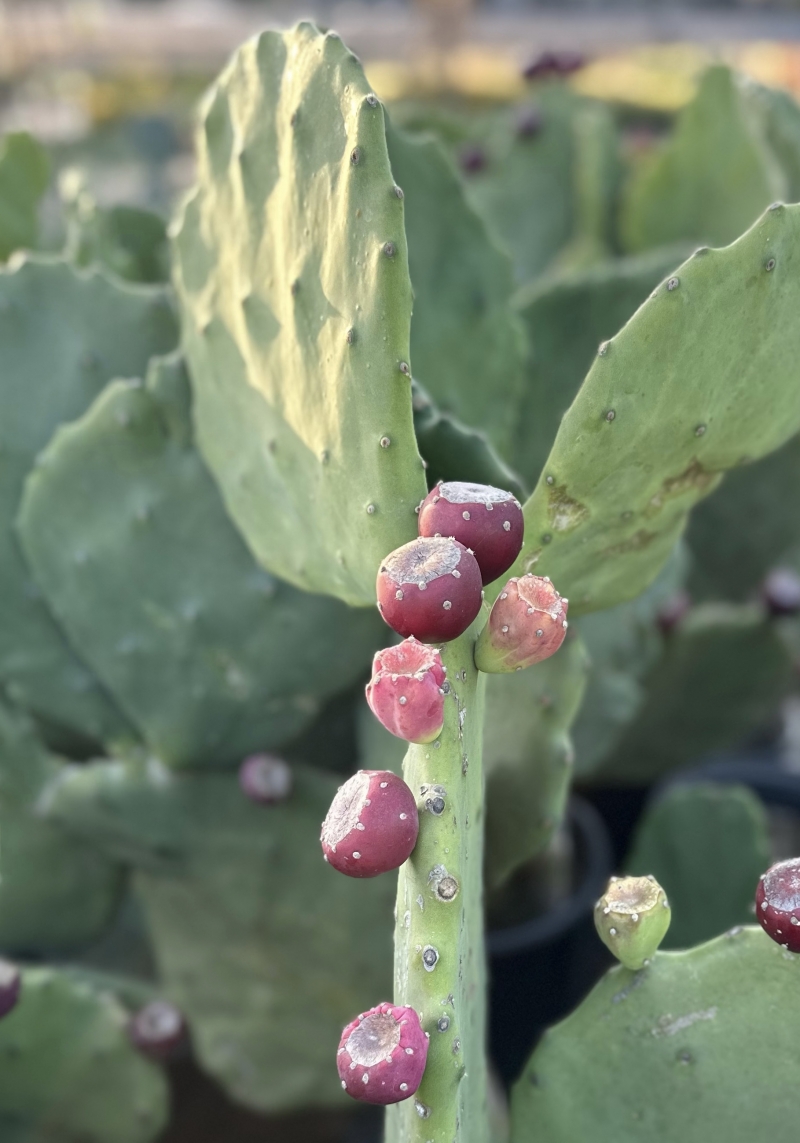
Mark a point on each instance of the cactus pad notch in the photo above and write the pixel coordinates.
(292, 271)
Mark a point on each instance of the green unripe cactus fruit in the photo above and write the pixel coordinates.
(632, 918)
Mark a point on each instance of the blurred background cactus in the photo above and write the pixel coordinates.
(218, 415)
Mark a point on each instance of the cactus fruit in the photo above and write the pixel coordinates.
(10, 985)
(549, 64)
(157, 1030)
(292, 141)
(632, 918)
(406, 692)
(382, 1054)
(265, 779)
(372, 824)
(673, 611)
(430, 588)
(780, 592)
(484, 519)
(778, 903)
(527, 624)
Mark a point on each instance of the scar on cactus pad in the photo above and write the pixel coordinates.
(407, 689)
(527, 624)
(430, 588)
(382, 1055)
(632, 918)
(485, 519)
(10, 985)
(778, 903)
(265, 779)
(372, 824)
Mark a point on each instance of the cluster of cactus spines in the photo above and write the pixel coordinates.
(778, 903)
(484, 519)
(527, 623)
(265, 779)
(372, 824)
(407, 689)
(158, 1029)
(382, 1055)
(430, 588)
(10, 986)
(632, 918)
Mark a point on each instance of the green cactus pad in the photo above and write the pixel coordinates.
(707, 844)
(722, 674)
(58, 893)
(567, 315)
(292, 270)
(700, 380)
(69, 1071)
(528, 756)
(24, 175)
(467, 345)
(713, 177)
(63, 334)
(779, 114)
(268, 951)
(631, 919)
(208, 655)
(701, 1045)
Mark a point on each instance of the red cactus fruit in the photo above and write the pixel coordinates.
(484, 519)
(265, 779)
(157, 1030)
(406, 692)
(527, 623)
(372, 824)
(430, 588)
(10, 985)
(778, 903)
(382, 1055)
(780, 592)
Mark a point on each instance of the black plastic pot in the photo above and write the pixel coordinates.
(540, 969)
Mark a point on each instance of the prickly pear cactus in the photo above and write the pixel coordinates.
(292, 272)
(722, 674)
(208, 655)
(63, 334)
(265, 949)
(467, 344)
(70, 1073)
(659, 1052)
(24, 175)
(713, 176)
(699, 381)
(58, 893)
(707, 844)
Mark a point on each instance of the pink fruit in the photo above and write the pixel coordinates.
(780, 592)
(405, 692)
(157, 1030)
(484, 519)
(372, 824)
(673, 611)
(382, 1055)
(10, 985)
(265, 779)
(527, 623)
(430, 588)
(778, 903)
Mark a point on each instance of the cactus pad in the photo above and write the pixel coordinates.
(24, 174)
(292, 271)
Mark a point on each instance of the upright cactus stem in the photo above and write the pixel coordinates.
(439, 966)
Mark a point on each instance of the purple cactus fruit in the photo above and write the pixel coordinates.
(265, 779)
(484, 519)
(778, 903)
(372, 824)
(529, 123)
(405, 692)
(527, 623)
(430, 588)
(382, 1055)
(10, 985)
(672, 612)
(780, 592)
(473, 160)
(157, 1030)
(548, 65)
